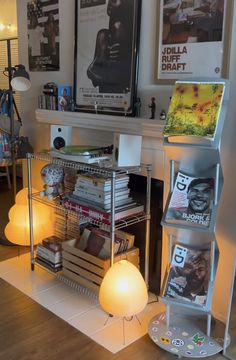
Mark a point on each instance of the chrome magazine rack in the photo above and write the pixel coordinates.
(179, 330)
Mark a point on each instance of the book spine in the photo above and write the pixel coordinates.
(99, 182)
(100, 186)
(99, 194)
(50, 246)
(86, 211)
(48, 266)
(99, 200)
(48, 255)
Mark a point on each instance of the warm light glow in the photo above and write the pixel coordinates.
(17, 230)
(123, 291)
(22, 196)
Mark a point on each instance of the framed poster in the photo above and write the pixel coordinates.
(106, 54)
(193, 39)
(43, 35)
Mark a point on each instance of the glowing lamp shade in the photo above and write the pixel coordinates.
(17, 230)
(20, 80)
(123, 291)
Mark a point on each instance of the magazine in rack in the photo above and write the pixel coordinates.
(188, 276)
(191, 202)
(194, 112)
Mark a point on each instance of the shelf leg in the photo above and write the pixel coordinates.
(148, 221)
(172, 174)
(112, 232)
(30, 212)
(208, 324)
(217, 179)
(168, 316)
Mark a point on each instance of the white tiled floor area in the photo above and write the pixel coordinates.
(79, 310)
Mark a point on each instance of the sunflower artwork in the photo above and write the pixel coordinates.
(194, 111)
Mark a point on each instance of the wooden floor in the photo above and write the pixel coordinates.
(30, 332)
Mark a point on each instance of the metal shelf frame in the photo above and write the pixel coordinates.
(106, 172)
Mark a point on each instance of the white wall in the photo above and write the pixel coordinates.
(39, 134)
(146, 88)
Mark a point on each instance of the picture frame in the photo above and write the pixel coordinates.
(43, 32)
(106, 49)
(193, 39)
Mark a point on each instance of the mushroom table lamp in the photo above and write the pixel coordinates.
(17, 230)
(123, 291)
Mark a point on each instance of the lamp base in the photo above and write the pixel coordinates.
(183, 337)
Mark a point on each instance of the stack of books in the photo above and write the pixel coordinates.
(49, 253)
(92, 197)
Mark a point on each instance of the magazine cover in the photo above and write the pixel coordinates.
(194, 110)
(189, 275)
(191, 200)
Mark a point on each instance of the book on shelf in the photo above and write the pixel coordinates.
(194, 112)
(48, 254)
(53, 243)
(99, 194)
(48, 265)
(104, 204)
(101, 215)
(188, 275)
(119, 205)
(97, 242)
(101, 181)
(191, 202)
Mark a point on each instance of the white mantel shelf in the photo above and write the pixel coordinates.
(150, 130)
(121, 124)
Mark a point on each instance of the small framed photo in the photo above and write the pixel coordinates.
(193, 38)
(107, 34)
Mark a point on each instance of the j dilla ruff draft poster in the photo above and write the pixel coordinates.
(191, 38)
(43, 35)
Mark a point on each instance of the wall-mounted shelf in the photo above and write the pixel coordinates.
(129, 125)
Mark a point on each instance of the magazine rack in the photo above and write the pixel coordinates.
(181, 329)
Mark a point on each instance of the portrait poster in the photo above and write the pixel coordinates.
(105, 55)
(43, 35)
(191, 37)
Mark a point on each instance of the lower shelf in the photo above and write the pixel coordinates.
(183, 337)
(88, 270)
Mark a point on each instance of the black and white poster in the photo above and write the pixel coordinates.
(106, 51)
(43, 35)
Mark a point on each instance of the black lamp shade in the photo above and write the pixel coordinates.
(20, 79)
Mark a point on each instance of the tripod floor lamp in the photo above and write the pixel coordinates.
(18, 81)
